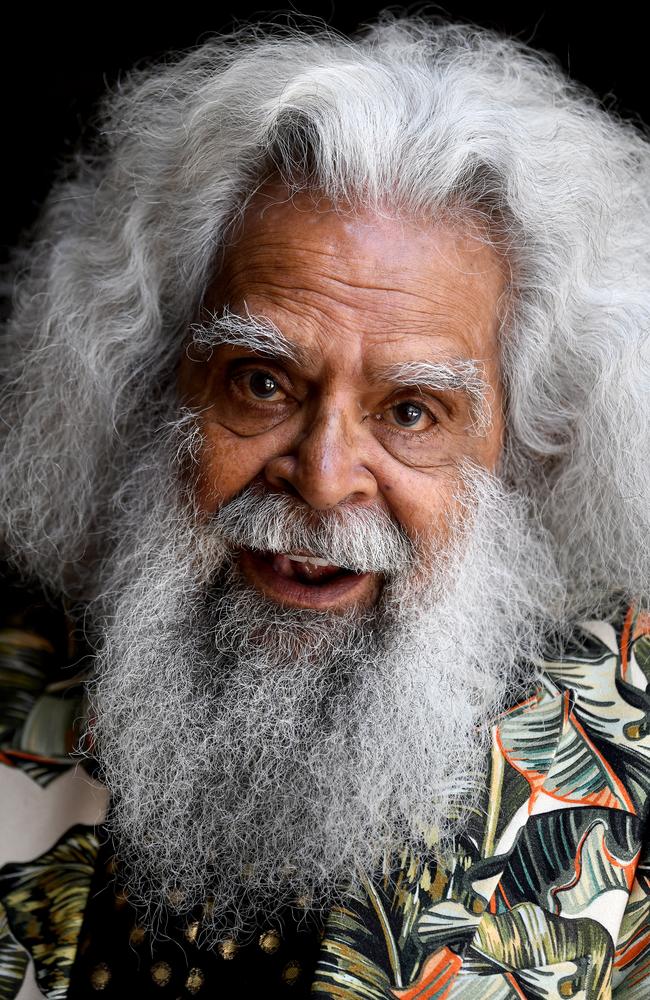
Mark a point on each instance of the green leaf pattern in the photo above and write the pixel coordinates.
(556, 902)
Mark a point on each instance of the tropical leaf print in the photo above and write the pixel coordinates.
(13, 960)
(345, 968)
(447, 923)
(528, 736)
(435, 979)
(44, 902)
(485, 988)
(610, 690)
(22, 676)
(568, 858)
(552, 750)
(527, 940)
(632, 960)
(531, 908)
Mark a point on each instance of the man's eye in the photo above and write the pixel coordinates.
(262, 384)
(411, 415)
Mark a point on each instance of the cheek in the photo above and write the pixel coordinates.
(227, 464)
(422, 502)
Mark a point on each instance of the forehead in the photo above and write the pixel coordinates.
(381, 282)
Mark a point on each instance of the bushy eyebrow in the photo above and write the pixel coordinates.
(461, 375)
(261, 336)
(252, 333)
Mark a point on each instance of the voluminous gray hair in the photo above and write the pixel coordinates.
(415, 113)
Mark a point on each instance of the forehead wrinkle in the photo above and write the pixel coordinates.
(287, 277)
(392, 306)
(279, 252)
(383, 319)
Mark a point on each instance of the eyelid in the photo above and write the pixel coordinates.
(269, 365)
(427, 399)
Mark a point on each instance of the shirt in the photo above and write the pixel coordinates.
(545, 894)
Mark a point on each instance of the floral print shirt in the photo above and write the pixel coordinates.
(547, 893)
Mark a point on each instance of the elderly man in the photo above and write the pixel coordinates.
(324, 516)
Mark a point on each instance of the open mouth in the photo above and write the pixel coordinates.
(308, 569)
(301, 579)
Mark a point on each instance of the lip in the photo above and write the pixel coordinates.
(341, 592)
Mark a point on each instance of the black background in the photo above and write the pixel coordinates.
(55, 66)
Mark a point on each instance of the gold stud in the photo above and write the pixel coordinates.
(121, 899)
(161, 973)
(137, 935)
(228, 948)
(195, 980)
(100, 977)
(191, 931)
(291, 972)
(270, 942)
(567, 989)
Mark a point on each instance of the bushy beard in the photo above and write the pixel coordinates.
(260, 755)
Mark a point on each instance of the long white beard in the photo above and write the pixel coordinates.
(258, 754)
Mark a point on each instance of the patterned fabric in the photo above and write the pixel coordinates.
(546, 894)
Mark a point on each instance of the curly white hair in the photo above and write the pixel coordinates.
(414, 112)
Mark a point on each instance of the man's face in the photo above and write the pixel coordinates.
(268, 727)
(349, 419)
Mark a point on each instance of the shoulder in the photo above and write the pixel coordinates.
(603, 676)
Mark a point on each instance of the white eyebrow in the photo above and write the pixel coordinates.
(262, 336)
(253, 333)
(461, 375)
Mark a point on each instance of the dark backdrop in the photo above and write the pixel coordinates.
(54, 66)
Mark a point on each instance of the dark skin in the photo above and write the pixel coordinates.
(356, 293)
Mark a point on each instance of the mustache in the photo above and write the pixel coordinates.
(357, 538)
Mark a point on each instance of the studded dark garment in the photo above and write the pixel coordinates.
(117, 958)
(547, 894)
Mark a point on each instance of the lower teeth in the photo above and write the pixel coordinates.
(304, 572)
(316, 581)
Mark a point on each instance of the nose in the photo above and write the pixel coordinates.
(325, 466)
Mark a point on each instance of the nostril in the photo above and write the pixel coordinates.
(321, 479)
(283, 484)
(289, 488)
